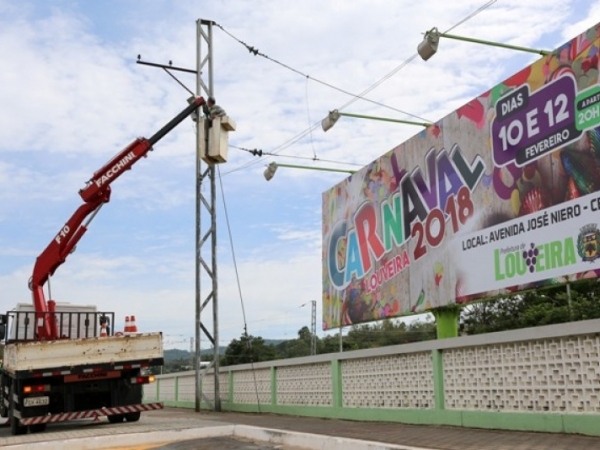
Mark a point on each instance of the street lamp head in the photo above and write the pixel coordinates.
(328, 122)
(428, 47)
(270, 171)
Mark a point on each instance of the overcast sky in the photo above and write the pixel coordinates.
(72, 96)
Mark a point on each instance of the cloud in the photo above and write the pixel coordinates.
(74, 96)
(590, 18)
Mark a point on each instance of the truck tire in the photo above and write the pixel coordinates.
(116, 418)
(4, 410)
(133, 417)
(15, 427)
(37, 428)
(15, 424)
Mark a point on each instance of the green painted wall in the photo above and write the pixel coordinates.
(549, 422)
(438, 414)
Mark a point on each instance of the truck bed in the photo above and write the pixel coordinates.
(31, 356)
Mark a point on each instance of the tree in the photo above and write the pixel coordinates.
(388, 332)
(329, 344)
(248, 349)
(534, 308)
(295, 348)
(418, 331)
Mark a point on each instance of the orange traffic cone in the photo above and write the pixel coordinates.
(103, 330)
(127, 328)
(132, 325)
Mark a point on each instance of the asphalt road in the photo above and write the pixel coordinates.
(71, 434)
(221, 443)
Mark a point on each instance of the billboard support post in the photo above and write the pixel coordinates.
(341, 342)
(446, 321)
(569, 302)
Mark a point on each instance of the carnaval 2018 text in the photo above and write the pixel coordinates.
(419, 209)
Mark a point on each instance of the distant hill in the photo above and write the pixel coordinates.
(176, 354)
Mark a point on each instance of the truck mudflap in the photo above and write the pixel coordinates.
(91, 414)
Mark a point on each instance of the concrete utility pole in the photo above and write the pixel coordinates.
(206, 266)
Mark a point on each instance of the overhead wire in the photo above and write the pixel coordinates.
(301, 135)
(258, 152)
(312, 143)
(473, 14)
(237, 277)
(355, 97)
(256, 52)
(235, 267)
(413, 57)
(276, 150)
(280, 317)
(311, 128)
(360, 96)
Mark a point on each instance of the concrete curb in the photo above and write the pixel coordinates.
(312, 441)
(295, 439)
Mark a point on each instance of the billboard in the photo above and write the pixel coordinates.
(500, 196)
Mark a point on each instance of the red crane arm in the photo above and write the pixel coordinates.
(114, 169)
(94, 194)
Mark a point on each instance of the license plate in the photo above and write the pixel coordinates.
(36, 401)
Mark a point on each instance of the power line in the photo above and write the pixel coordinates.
(277, 149)
(237, 276)
(473, 14)
(256, 52)
(312, 143)
(259, 153)
(413, 57)
(355, 97)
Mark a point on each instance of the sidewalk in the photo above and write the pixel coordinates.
(206, 430)
(429, 436)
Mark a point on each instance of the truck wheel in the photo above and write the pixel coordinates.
(116, 418)
(15, 424)
(37, 428)
(133, 417)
